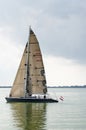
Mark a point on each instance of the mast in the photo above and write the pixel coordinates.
(27, 67)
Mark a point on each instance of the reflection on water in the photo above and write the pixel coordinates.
(29, 116)
(67, 115)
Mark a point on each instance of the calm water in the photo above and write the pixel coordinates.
(67, 115)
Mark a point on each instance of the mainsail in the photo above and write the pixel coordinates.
(30, 78)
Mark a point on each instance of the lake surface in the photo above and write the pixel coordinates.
(69, 114)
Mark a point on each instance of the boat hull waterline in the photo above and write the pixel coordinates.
(33, 100)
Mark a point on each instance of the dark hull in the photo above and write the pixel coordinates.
(33, 100)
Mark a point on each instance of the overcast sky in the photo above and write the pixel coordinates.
(60, 26)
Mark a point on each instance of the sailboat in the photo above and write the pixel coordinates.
(30, 81)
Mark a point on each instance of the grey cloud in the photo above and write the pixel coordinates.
(59, 24)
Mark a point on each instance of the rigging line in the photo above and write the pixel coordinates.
(27, 64)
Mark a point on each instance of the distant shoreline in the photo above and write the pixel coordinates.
(68, 87)
(84, 86)
(5, 86)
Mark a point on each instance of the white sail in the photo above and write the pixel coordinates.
(30, 78)
(37, 81)
(19, 82)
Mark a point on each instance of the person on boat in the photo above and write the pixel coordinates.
(44, 96)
